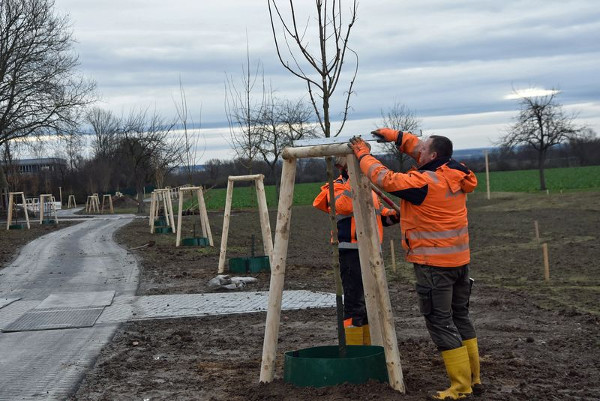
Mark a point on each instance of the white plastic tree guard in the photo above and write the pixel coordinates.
(206, 232)
(47, 205)
(163, 194)
(379, 308)
(11, 205)
(263, 212)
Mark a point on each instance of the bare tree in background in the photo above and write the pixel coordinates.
(191, 137)
(148, 149)
(317, 49)
(400, 118)
(105, 128)
(281, 123)
(540, 125)
(243, 112)
(39, 89)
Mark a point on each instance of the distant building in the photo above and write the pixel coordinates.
(32, 166)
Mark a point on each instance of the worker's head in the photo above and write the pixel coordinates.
(434, 147)
(341, 162)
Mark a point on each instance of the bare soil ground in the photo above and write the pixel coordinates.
(537, 340)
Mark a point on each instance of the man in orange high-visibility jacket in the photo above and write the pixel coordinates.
(355, 313)
(436, 239)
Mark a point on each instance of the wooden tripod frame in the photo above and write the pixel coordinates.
(263, 212)
(92, 204)
(201, 210)
(110, 203)
(71, 202)
(11, 203)
(51, 201)
(164, 195)
(379, 308)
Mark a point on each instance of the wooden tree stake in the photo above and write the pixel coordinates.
(546, 262)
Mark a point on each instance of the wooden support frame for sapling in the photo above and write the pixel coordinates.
(110, 203)
(206, 232)
(263, 212)
(379, 309)
(92, 204)
(71, 203)
(52, 207)
(11, 204)
(155, 198)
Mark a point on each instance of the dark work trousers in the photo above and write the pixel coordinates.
(444, 301)
(354, 293)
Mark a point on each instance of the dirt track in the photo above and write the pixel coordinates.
(537, 341)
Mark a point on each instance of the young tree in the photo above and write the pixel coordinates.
(317, 60)
(243, 112)
(39, 89)
(401, 118)
(191, 137)
(540, 125)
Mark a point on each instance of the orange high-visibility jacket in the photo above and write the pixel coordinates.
(344, 212)
(433, 215)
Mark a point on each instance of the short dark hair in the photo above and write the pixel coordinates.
(441, 145)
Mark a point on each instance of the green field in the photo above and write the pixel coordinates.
(557, 179)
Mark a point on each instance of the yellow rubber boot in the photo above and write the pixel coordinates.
(473, 351)
(366, 335)
(354, 335)
(459, 372)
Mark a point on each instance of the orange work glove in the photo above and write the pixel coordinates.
(360, 147)
(388, 135)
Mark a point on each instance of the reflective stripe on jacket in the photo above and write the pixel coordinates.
(433, 215)
(346, 224)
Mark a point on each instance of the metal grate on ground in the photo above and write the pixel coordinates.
(55, 319)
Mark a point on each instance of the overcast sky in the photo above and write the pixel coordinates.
(453, 63)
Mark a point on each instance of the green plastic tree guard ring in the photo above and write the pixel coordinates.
(163, 230)
(48, 221)
(322, 366)
(15, 227)
(195, 241)
(254, 264)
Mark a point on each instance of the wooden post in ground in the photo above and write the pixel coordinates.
(11, 204)
(60, 195)
(393, 254)
(546, 262)
(206, 231)
(487, 173)
(263, 211)
(225, 232)
(537, 230)
(153, 206)
(202, 214)
(282, 237)
(371, 261)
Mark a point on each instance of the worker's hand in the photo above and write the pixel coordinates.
(387, 135)
(359, 147)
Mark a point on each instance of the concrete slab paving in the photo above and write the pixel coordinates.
(77, 300)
